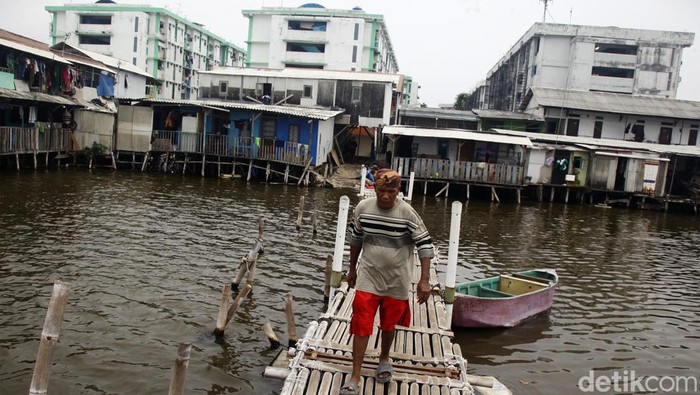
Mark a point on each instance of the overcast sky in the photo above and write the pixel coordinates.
(447, 46)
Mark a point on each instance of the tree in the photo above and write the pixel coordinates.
(462, 101)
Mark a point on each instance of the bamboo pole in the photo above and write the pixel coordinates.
(343, 208)
(274, 342)
(219, 331)
(49, 337)
(177, 383)
(223, 307)
(242, 270)
(329, 271)
(291, 324)
(451, 273)
(251, 272)
(301, 213)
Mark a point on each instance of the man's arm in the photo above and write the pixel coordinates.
(352, 273)
(423, 288)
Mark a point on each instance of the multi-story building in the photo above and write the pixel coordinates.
(167, 46)
(585, 58)
(312, 36)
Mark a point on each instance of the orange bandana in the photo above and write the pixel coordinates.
(388, 178)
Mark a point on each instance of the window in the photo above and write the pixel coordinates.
(95, 19)
(136, 24)
(598, 128)
(693, 136)
(223, 87)
(308, 90)
(268, 128)
(537, 45)
(356, 93)
(638, 131)
(133, 61)
(94, 40)
(136, 44)
(534, 69)
(293, 134)
(306, 47)
(666, 133)
(354, 53)
(612, 72)
(616, 49)
(357, 31)
(318, 26)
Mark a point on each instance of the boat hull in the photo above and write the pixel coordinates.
(471, 311)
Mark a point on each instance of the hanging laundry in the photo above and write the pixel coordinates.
(32, 115)
(105, 86)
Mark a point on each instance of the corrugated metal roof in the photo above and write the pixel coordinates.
(591, 143)
(438, 113)
(44, 53)
(456, 134)
(110, 61)
(615, 103)
(306, 112)
(499, 114)
(36, 97)
(314, 74)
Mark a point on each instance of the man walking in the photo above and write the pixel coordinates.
(387, 230)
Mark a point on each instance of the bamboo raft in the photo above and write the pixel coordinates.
(424, 358)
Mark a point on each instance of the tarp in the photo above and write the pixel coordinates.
(105, 86)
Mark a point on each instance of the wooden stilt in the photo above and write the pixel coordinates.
(286, 175)
(517, 194)
(204, 163)
(539, 192)
(291, 324)
(250, 170)
(49, 338)
(177, 383)
(314, 222)
(34, 155)
(167, 157)
(223, 308)
(551, 194)
(90, 163)
(267, 172)
(46, 160)
(468, 185)
(133, 159)
(566, 197)
(329, 271)
(114, 161)
(145, 160)
(425, 188)
(494, 195)
(17, 160)
(274, 342)
(218, 169)
(184, 165)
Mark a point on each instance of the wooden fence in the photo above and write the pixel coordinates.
(447, 170)
(51, 138)
(237, 147)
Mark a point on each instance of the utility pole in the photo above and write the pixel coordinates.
(546, 4)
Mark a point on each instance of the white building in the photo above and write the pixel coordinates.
(586, 58)
(167, 46)
(315, 37)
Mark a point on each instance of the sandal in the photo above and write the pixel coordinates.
(384, 373)
(349, 388)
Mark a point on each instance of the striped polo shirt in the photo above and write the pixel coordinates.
(388, 239)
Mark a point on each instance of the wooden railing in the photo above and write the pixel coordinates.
(440, 169)
(237, 147)
(50, 138)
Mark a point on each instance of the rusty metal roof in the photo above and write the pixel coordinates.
(36, 97)
(613, 103)
(457, 134)
(305, 112)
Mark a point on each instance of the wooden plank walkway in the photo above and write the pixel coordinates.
(425, 359)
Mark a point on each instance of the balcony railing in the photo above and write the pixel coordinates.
(236, 147)
(50, 138)
(447, 170)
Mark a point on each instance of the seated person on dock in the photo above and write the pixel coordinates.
(387, 230)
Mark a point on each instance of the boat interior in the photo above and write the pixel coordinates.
(507, 285)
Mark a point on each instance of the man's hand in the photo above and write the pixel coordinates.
(423, 291)
(351, 277)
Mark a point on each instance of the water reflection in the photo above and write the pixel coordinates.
(148, 256)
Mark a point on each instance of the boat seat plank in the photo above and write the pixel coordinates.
(518, 286)
(493, 293)
(531, 278)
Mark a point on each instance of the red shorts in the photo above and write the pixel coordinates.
(392, 312)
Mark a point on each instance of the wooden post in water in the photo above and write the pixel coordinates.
(451, 273)
(301, 212)
(219, 331)
(329, 271)
(223, 308)
(314, 222)
(274, 342)
(291, 324)
(49, 337)
(177, 383)
(251, 272)
(343, 208)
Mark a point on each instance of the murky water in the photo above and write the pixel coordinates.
(147, 256)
